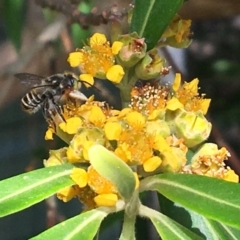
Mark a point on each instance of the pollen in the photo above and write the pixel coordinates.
(98, 183)
(148, 98)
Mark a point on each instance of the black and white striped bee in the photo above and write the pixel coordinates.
(48, 93)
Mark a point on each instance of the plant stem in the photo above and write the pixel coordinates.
(128, 231)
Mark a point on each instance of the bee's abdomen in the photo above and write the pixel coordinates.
(32, 102)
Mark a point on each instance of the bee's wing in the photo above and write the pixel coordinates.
(30, 80)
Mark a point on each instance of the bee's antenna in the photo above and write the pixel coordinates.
(90, 84)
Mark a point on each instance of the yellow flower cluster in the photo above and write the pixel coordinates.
(152, 135)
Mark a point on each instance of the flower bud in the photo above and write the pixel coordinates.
(150, 66)
(132, 51)
(57, 157)
(158, 127)
(193, 127)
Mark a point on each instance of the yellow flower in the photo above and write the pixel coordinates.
(98, 60)
(97, 117)
(188, 95)
(209, 161)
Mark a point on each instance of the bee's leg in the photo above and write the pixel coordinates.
(59, 110)
(52, 112)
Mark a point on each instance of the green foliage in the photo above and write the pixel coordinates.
(83, 226)
(13, 15)
(24, 190)
(210, 197)
(167, 228)
(150, 18)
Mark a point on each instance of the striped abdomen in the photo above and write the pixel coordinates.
(32, 102)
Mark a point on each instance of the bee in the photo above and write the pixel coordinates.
(48, 93)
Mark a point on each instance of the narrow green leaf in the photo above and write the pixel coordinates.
(83, 226)
(13, 14)
(166, 227)
(114, 169)
(189, 219)
(24, 190)
(150, 18)
(213, 198)
(223, 231)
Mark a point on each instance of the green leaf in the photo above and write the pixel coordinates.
(166, 227)
(150, 18)
(213, 198)
(189, 219)
(223, 231)
(114, 169)
(24, 190)
(83, 226)
(13, 14)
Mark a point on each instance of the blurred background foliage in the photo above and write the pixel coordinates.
(38, 41)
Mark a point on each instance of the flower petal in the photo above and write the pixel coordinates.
(112, 130)
(116, 46)
(49, 134)
(115, 73)
(152, 164)
(79, 176)
(108, 200)
(97, 39)
(66, 194)
(174, 104)
(87, 78)
(74, 59)
(177, 82)
(71, 125)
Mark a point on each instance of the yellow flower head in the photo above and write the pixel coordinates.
(188, 95)
(98, 60)
(209, 161)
